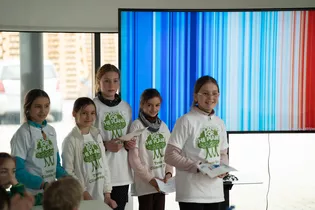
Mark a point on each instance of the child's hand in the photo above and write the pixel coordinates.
(154, 184)
(29, 196)
(222, 175)
(22, 203)
(13, 181)
(87, 196)
(44, 185)
(110, 201)
(167, 177)
(130, 144)
(113, 145)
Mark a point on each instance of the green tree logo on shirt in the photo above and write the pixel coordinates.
(114, 122)
(45, 150)
(156, 143)
(92, 154)
(209, 140)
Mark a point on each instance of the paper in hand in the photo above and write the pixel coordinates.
(129, 136)
(167, 187)
(213, 170)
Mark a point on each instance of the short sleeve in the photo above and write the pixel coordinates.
(19, 145)
(180, 133)
(135, 125)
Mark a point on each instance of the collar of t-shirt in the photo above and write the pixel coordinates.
(196, 108)
(37, 125)
(77, 132)
(107, 102)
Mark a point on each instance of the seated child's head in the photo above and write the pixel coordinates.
(4, 199)
(64, 194)
(7, 170)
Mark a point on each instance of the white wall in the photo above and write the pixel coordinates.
(102, 15)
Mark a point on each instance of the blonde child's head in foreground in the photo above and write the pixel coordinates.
(64, 194)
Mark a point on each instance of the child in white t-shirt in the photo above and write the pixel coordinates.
(34, 145)
(198, 136)
(83, 154)
(113, 119)
(147, 158)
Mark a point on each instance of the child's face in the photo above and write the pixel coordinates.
(109, 84)
(7, 173)
(39, 109)
(86, 116)
(152, 106)
(207, 97)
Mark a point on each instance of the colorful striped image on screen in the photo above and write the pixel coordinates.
(264, 62)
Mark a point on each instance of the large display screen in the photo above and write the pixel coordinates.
(264, 62)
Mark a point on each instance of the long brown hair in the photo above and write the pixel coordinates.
(5, 198)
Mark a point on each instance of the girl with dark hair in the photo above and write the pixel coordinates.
(147, 158)
(34, 145)
(17, 202)
(8, 180)
(83, 154)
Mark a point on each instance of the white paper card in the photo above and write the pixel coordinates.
(129, 136)
(168, 187)
(213, 170)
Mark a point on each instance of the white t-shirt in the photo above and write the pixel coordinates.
(201, 138)
(93, 167)
(114, 122)
(40, 155)
(151, 148)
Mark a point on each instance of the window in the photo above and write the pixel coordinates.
(68, 74)
(12, 72)
(109, 48)
(71, 55)
(9, 90)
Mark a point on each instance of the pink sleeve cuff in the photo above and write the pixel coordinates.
(174, 158)
(169, 169)
(139, 169)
